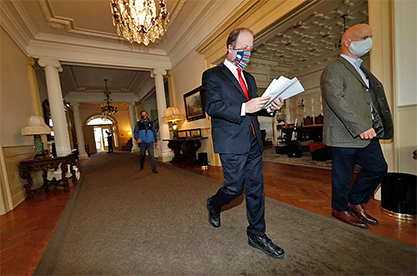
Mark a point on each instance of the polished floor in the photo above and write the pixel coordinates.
(26, 230)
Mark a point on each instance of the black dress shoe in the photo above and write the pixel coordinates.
(155, 171)
(266, 245)
(141, 167)
(213, 216)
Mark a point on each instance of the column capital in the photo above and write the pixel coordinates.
(158, 71)
(131, 103)
(43, 62)
(74, 103)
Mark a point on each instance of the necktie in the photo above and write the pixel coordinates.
(242, 83)
(245, 90)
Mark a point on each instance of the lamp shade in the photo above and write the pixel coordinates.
(35, 126)
(172, 114)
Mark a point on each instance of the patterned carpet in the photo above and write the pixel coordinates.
(124, 221)
(305, 160)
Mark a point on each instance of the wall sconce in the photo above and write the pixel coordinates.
(172, 114)
(129, 133)
(36, 126)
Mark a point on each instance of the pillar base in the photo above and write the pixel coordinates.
(165, 156)
(135, 150)
(82, 156)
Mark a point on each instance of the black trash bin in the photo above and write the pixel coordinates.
(203, 160)
(398, 195)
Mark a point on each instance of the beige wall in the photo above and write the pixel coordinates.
(186, 77)
(15, 96)
(15, 93)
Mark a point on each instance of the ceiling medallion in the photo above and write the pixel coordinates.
(107, 108)
(140, 20)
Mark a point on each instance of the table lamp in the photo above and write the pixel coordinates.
(36, 126)
(172, 114)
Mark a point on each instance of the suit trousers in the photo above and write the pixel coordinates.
(244, 171)
(374, 168)
(147, 146)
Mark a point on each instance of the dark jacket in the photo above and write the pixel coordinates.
(223, 98)
(145, 130)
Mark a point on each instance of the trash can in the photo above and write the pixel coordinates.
(203, 160)
(398, 195)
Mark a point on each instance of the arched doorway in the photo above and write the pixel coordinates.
(101, 125)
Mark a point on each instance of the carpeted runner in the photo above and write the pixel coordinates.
(124, 221)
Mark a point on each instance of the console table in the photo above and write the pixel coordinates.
(189, 146)
(27, 167)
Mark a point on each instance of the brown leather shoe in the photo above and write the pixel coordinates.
(361, 214)
(347, 217)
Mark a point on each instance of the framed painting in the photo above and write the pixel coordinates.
(194, 107)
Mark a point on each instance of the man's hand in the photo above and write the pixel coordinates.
(255, 104)
(277, 104)
(368, 135)
(139, 140)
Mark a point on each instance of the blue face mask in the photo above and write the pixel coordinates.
(242, 57)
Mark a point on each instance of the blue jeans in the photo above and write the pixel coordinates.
(373, 171)
(147, 146)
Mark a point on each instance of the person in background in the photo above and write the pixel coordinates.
(356, 116)
(230, 97)
(145, 135)
(109, 141)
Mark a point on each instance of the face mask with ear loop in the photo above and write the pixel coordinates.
(242, 57)
(359, 48)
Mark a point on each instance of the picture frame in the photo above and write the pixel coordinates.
(194, 106)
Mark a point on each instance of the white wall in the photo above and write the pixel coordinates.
(406, 50)
(405, 83)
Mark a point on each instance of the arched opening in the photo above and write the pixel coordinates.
(105, 128)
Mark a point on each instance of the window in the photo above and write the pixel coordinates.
(100, 120)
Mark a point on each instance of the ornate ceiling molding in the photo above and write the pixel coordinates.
(60, 23)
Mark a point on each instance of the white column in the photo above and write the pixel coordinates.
(164, 152)
(79, 131)
(56, 104)
(132, 116)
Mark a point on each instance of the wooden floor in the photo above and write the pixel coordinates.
(26, 230)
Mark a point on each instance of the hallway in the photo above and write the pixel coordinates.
(25, 233)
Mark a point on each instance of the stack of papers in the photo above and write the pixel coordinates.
(283, 87)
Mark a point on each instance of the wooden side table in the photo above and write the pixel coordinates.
(27, 167)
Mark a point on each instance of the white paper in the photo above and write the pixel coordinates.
(283, 87)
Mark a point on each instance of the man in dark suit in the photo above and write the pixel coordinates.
(356, 116)
(230, 99)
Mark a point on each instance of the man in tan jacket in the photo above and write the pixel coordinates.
(356, 116)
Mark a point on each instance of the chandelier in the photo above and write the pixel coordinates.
(107, 108)
(140, 20)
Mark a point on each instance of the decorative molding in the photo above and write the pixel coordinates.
(25, 17)
(191, 37)
(13, 28)
(93, 56)
(60, 23)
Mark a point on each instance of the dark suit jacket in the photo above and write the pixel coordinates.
(223, 98)
(346, 105)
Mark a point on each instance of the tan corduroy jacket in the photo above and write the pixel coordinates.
(347, 105)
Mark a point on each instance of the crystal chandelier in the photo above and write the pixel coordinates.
(139, 20)
(107, 108)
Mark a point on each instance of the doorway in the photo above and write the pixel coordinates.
(101, 127)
